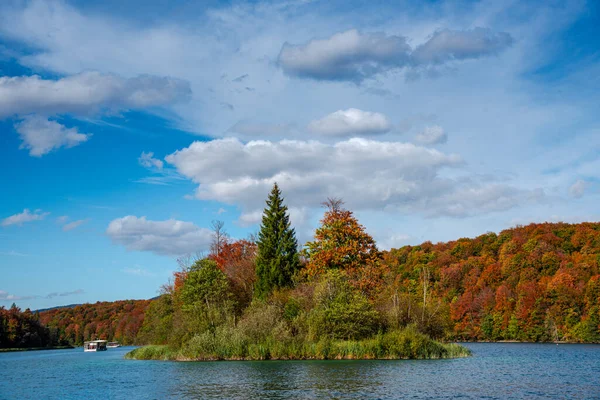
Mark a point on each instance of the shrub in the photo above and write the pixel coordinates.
(341, 312)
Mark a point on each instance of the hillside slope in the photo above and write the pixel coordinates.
(538, 282)
(119, 321)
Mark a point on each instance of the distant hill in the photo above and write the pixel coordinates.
(118, 320)
(56, 307)
(539, 282)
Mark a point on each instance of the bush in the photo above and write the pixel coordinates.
(341, 312)
(259, 320)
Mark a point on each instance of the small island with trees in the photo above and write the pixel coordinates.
(264, 299)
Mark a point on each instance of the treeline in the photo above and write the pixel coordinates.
(115, 321)
(23, 329)
(264, 299)
(538, 282)
(339, 296)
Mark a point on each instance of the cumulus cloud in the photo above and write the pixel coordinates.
(577, 189)
(432, 135)
(87, 92)
(446, 45)
(348, 55)
(41, 135)
(147, 160)
(355, 56)
(25, 216)
(367, 174)
(351, 122)
(169, 237)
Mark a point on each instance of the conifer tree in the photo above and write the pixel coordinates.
(277, 260)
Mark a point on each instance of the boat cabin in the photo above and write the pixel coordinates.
(95, 345)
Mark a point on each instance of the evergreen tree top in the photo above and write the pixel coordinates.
(277, 259)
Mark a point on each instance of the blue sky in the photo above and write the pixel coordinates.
(127, 127)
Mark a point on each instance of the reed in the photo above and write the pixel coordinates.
(228, 343)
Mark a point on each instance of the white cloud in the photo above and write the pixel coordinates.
(348, 55)
(250, 218)
(160, 175)
(25, 216)
(64, 294)
(351, 122)
(577, 190)
(87, 92)
(432, 135)
(147, 160)
(367, 174)
(445, 45)
(5, 296)
(41, 135)
(170, 237)
(63, 219)
(72, 225)
(355, 56)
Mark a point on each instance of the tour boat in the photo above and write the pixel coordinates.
(95, 345)
(113, 345)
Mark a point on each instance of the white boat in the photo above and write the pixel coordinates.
(113, 345)
(95, 345)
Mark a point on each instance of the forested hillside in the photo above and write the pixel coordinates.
(23, 329)
(538, 282)
(119, 321)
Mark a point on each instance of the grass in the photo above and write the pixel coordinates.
(227, 345)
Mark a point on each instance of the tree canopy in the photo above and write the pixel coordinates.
(342, 243)
(277, 258)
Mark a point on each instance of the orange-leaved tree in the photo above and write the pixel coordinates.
(342, 243)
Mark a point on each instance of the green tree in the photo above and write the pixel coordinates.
(206, 297)
(277, 260)
(158, 321)
(341, 311)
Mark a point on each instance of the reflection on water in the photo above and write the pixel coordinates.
(497, 371)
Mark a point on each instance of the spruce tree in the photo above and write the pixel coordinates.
(277, 259)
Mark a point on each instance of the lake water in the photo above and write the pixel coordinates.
(496, 371)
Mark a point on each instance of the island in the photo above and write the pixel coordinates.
(273, 302)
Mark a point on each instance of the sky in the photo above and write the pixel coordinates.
(126, 128)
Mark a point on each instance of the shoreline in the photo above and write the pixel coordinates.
(524, 342)
(15, 349)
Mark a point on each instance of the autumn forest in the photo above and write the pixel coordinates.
(339, 296)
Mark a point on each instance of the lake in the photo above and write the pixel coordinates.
(496, 371)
